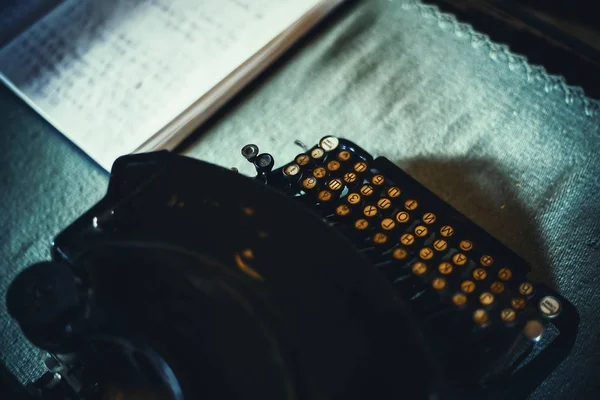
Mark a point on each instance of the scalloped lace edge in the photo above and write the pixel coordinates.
(501, 53)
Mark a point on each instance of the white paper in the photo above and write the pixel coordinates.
(109, 74)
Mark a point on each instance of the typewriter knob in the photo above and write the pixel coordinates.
(262, 162)
(40, 299)
(250, 151)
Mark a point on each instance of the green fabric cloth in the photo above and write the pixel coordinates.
(509, 146)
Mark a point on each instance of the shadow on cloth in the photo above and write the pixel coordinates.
(480, 190)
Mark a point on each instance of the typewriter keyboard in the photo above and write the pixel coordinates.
(470, 292)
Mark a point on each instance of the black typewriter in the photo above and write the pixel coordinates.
(336, 276)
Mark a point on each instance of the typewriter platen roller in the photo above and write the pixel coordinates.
(334, 276)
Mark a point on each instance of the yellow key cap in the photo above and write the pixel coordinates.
(402, 217)
(467, 286)
(344, 155)
(407, 239)
(508, 315)
(421, 231)
(429, 218)
(399, 254)
(459, 299)
(393, 192)
(342, 210)
(480, 317)
(370, 210)
(466, 245)
(440, 245)
(486, 298)
(411, 204)
(445, 268)
(388, 224)
(378, 179)
(438, 283)
(497, 287)
(459, 259)
(419, 268)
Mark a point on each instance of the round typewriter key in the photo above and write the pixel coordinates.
(508, 315)
(366, 190)
(302, 159)
(411, 204)
(384, 203)
(526, 289)
(264, 162)
(378, 179)
(393, 192)
(361, 224)
(370, 210)
(518, 303)
(459, 259)
(486, 260)
(438, 283)
(380, 238)
(248, 254)
(399, 254)
(344, 155)
(354, 198)
(549, 306)
(248, 211)
(421, 231)
(440, 245)
(335, 184)
(402, 217)
(342, 210)
(329, 143)
(426, 253)
(479, 274)
(324, 195)
(466, 245)
(407, 239)
(360, 166)
(333, 165)
(317, 153)
(388, 224)
(447, 231)
(533, 330)
(497, 287)
(480, 317)
(429, 218)
(319, 172)
(459, 299)
(292, 169)
(486, 298)
(467, 286)
(250, 151)
(445, 268)
(504, 274)
(419, 268)
(350, 177)
(309, 183)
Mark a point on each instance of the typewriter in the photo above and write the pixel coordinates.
(336, 276)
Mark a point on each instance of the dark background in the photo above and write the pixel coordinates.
(563, 36)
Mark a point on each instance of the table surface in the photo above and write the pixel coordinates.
(514, 149)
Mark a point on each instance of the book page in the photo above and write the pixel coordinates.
(110, 74)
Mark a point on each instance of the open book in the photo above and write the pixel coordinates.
(123, 76)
